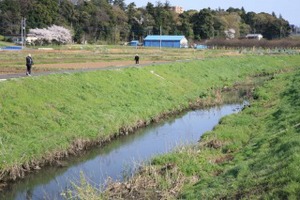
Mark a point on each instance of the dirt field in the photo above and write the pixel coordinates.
(70, 66)
(52, 60)
(13, 62)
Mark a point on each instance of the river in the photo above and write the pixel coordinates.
(120, 157)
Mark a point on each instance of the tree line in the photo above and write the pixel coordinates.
(112, 21)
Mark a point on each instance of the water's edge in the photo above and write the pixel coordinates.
(121, 155)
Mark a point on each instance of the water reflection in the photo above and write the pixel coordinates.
(121, 156)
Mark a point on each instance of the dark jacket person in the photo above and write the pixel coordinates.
(29, 63)
(137, 59)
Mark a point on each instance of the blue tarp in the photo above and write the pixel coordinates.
(201, 46)
(14, 48)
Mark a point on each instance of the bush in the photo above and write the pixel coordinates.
(249, 43)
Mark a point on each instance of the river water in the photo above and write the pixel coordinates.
(121, 157)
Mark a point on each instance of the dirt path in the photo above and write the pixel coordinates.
(44, 69)
(91, 65)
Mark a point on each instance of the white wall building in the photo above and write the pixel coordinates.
(254, 36)
(177, 9)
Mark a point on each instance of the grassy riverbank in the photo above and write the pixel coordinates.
(253, 154)
(45, 118)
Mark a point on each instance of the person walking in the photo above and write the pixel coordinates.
(29, 63)
(137, 59)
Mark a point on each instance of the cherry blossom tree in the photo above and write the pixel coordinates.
(52, 34)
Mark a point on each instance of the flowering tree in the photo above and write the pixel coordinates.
(230, 33)
(53, 34)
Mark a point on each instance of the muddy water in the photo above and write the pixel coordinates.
(121, 157)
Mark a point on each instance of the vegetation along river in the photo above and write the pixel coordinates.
(121, 157)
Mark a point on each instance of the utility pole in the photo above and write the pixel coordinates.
(23, 32)
(159, 37)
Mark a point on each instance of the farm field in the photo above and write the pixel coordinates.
(93, 56)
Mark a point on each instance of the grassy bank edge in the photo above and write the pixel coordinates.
(179, 78)
(253, 155)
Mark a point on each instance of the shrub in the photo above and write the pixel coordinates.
(249, 43)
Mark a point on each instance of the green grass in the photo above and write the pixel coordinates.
(3, 44)
(262, 142)
(40, 116)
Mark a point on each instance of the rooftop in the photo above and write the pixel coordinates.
(165, 37)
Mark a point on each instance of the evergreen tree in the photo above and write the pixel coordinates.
(112, 21)
(185, 27)
(203, 24)
(120, 3)
(10, 17)
(43, 14)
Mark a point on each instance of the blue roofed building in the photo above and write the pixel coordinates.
(134, 43)
(171, 41)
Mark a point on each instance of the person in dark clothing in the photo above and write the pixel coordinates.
(137, 59)
(29, 63)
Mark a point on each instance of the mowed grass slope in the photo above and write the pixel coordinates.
(254, 154)
(43, 116)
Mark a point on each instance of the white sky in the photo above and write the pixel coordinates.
(289, 9)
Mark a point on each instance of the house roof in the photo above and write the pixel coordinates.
(165, 37)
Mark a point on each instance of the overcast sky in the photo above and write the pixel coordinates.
(289, 9)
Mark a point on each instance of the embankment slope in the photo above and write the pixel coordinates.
(46, 118)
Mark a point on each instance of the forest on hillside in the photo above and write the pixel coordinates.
(114, 22)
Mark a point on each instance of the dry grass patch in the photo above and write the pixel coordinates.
(152, 182)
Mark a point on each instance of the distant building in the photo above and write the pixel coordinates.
(177, 9)
(31, 38)
(171, 41)
(254, 36)
(77, 2)
(295, 30)
(16, 39)
(134, 43)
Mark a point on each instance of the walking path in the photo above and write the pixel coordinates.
(4, 77)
